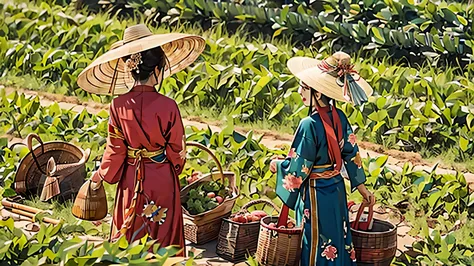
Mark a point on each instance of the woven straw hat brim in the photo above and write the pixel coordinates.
(180, 49)
(307, 70)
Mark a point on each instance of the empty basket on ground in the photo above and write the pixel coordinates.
(376, 246)
(51, 169)
(278, 247)
(237, 240)
(204, 227)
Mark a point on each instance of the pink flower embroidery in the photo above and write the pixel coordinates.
(352, 139)
(292, 153)
(353, 254)
(305, 169)
(330, 252)
(306, 213)
(291, 182)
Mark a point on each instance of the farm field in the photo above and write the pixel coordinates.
(240, 100)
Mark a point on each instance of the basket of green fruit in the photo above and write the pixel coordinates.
(206, 201)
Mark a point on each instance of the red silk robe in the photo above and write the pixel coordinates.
(145, 119)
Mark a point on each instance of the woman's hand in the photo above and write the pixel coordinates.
(273, 165)
(96, 185)
(366, 194)
(95, 177)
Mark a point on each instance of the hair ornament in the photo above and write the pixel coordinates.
(133, 62)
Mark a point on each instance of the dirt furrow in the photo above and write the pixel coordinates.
(395, 161)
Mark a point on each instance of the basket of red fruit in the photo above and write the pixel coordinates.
(238, 236)
(279, 241)
(206, 200)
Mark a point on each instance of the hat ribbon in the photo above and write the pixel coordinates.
(341, 71)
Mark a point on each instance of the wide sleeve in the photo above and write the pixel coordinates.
(294, 170)
(351, 157)
(176, 141)
(113, 160)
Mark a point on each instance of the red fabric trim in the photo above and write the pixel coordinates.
(332, 128)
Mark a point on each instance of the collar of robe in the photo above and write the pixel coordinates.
(143, 88)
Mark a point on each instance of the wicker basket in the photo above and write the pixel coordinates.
(237, 240)
(70, 168)
(204, 227)
(90, 203)
(376, 246)
(278, 247)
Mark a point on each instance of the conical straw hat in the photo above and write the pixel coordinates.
(108, 75)
(328, 76)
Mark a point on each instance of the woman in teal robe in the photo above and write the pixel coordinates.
(309, 180)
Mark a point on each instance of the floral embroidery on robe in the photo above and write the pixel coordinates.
(291, 182)
(329, 252)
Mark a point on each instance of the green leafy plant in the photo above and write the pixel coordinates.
(423, 108)
(50, 247)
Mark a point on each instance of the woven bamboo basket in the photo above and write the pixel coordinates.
(91, 202)
(376, 246)
(237, 240)
(204, 227)
(68, 167)
(279, 247)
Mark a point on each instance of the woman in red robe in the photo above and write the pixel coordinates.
(145, 149)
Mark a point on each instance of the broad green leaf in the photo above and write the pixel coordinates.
(434, 198)
(49, 254)
(378, 116)
(276, 110)
(462, 20)
(278, 32)
(103, 114)
(463, 143)
(3, 142)
(378, 35)
(9, 223)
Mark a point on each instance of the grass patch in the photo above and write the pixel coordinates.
(32, 83)
(63, 211)
(449, 158)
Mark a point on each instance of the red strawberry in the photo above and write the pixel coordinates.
(211, 195)
(219, 199)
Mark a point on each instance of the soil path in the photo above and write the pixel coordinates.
(396, 158)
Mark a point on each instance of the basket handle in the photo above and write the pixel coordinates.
(284, 214)
(206, 149)
(232, 184)
(356, 224)
(29, 144)
(29, 141)
(260, 201)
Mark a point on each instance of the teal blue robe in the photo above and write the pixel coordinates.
(320, 205)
